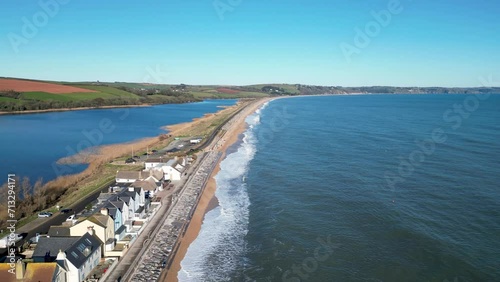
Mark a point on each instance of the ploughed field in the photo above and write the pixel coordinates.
(36, 86)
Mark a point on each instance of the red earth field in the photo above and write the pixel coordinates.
(227, 91)
(34, 86)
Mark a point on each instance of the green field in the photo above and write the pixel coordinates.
(7, 99)
(124, 93)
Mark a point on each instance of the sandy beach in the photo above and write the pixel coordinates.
(207, 200)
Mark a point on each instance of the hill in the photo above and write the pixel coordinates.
(23, 95)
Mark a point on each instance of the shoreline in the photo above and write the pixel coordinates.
(73, 109)
(105, 153)
(208, 201)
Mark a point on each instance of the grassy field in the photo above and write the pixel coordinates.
(107, 90)
(41, 100)
(7, 99)
(124, 93)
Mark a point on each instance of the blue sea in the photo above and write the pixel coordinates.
(32, 143)
(358, 188)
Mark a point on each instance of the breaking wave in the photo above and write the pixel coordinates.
(220, 246)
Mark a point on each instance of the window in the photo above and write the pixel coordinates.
(81, 247)
(74, 254)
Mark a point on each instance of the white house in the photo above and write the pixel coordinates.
(138, 194)
(154, 173)
(128, 176)
(173, 170)
(151, 163)
(76, 255)
(149, 186)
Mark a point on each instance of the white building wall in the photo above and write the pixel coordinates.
(125, 180)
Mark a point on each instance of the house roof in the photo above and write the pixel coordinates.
(155, 160)
(171, 163)
(131, 194)
(125, 199)
(129, 174)
(36, 272)
(148, 185)
(99, 219)
(121, 229)
(119, 204)
(79, 252)
(112, 210)
(158, 174)
(50, 246)
(59, 231)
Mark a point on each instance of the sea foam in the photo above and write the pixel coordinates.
(220, 246)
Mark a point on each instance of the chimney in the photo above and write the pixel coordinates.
(90, 230)
(61, 255)
(20, 269)
(104, 211)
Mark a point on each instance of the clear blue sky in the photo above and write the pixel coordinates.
(426, 43)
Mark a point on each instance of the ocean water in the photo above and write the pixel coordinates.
(32, 143)
(358, 188)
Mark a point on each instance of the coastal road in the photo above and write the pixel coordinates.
(217, 130)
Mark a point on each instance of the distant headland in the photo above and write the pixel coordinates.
(27, 96)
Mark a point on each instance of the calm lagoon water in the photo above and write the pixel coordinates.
(307, 194)
(32, 143)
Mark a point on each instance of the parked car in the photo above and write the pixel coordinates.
(66, 210)
(71, 218)
(45, 214)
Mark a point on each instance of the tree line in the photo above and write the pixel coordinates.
(27, 105)
(30, 198)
